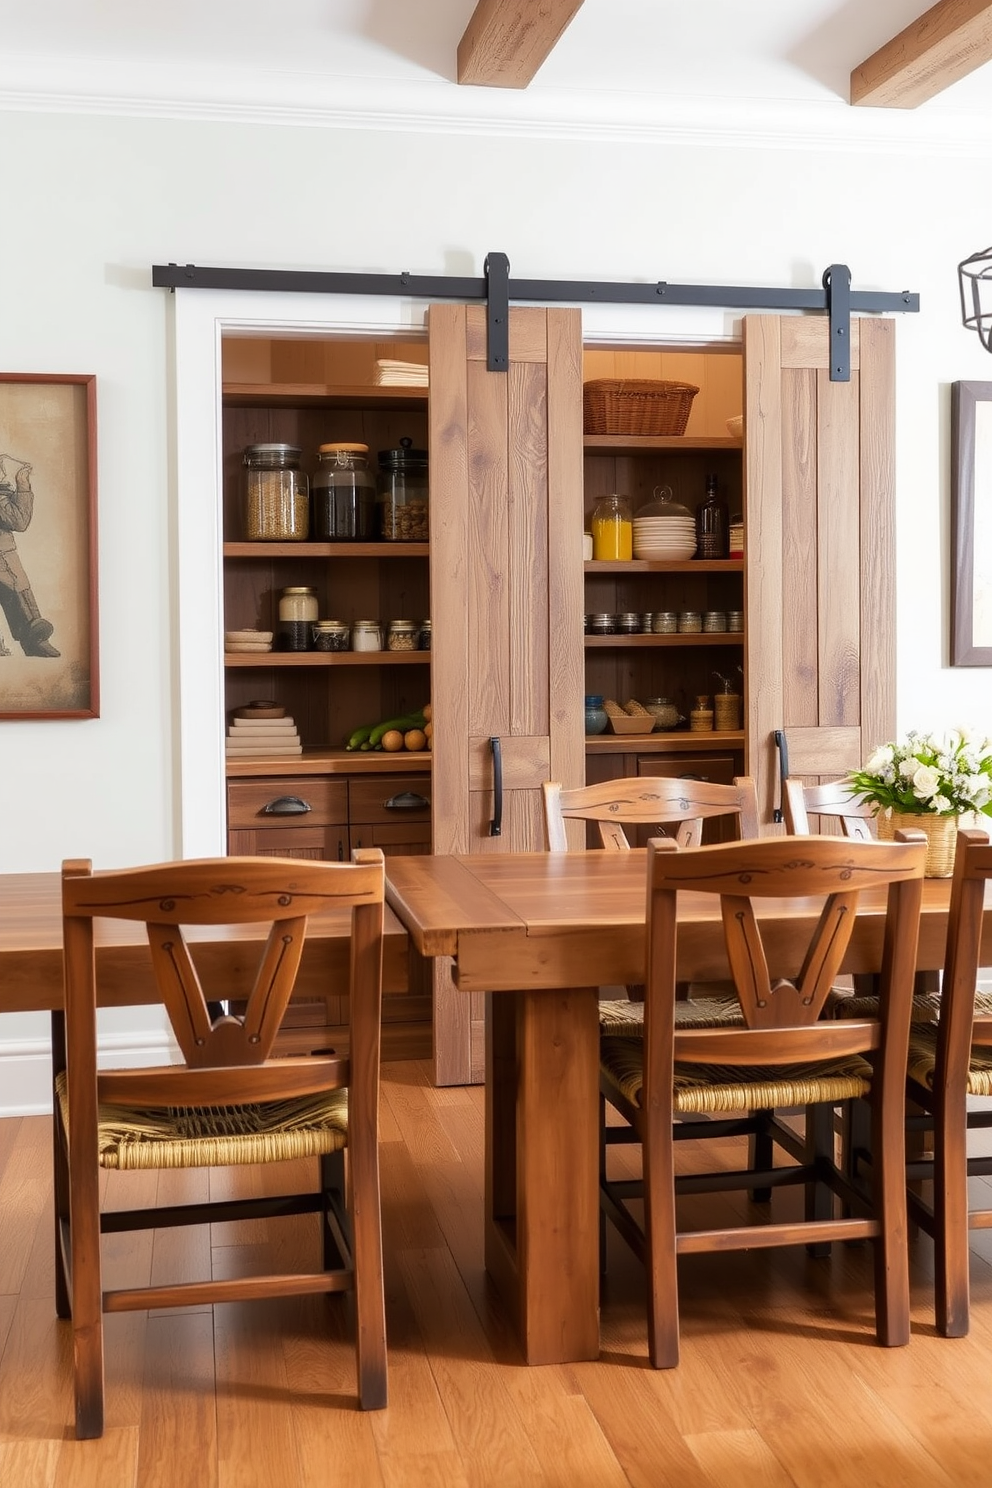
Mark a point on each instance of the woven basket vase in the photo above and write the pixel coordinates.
(636, 406)
(941, 833)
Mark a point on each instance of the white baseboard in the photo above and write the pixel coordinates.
(26, 1067)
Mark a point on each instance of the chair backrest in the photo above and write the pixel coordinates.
(834, 800)
(959, 1028)
(226, 1058)
(782, 978)
(653, 801)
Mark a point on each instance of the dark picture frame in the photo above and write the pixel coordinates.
(49, 634)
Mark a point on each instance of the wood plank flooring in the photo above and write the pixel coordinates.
(781, 1384)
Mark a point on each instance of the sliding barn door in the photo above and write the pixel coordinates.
(820, 562)
(506, 599)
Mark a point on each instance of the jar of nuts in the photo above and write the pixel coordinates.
(402, 494)
(403, 635)
(276, 494)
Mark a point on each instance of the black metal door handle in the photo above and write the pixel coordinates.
(286, 806)
(782, 745)
(496, 825)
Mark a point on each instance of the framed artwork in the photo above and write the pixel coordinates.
(48, 573)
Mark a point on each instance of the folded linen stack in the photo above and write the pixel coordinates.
(249, 738)
(389, 373)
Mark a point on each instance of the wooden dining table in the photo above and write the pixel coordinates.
(540, 933)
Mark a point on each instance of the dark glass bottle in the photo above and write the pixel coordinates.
(712, 527)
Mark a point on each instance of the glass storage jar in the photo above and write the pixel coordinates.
(612, 529)
(402, 499)
(666, 714)
(331, 635)
(297, 614)
(366, 635)
(425, 635)
(403, 635)
(276, 494)
(596, 715)
(343, 494)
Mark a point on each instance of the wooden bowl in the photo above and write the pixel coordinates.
(632, 724)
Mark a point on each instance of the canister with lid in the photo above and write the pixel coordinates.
(276, 494)
(343, 494)
(297, 614)
(425, 635)
(403, 635)
(366, 635)
(402, 499)
(331, 635)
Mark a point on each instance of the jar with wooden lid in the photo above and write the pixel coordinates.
(343, 494)
(402, 496)
(297, 613)
(276, 494)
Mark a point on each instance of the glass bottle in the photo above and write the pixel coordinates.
(712, 535)
(403, 495)
(612, 529)
(297, 615)
(276, 495)
(343, 494)
(596, 715)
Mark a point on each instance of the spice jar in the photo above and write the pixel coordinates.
(402, 635)
(425, 635)
(366, 635)
(297, 614)
(666, 714)
(666, 622)
(402, 499)
(690, 621)
(276, 495)
(596, 715)
(612, 529)
(343, 494)
(331, 635)
(701, 716)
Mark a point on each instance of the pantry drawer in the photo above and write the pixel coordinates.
(285, 801)
(392, 798)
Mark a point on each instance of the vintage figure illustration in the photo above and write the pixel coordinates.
(24, 619)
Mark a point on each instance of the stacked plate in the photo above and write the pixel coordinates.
(664, 539)
(240, 641)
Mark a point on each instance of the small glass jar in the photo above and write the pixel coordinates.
(713, 621)
(331, 635)
(666, 622)
(403, 494)
(735, 619)
(690, 621)
(665, 711)
(602, 624)
(628, 623)
(343, 494)
(366, 635)
(425, 635)
(276, 495)
(297, 614)
(612, 529)
(647, 623)
(596, 715)
(403, 635)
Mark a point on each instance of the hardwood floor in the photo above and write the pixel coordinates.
(780, 1384)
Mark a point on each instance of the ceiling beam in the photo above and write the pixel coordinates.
(951, 40)
(506, 41)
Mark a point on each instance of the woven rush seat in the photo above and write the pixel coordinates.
(619, 1018)
(131, 1138)
(926, 1006)
(712, 1087)
(922, 1062)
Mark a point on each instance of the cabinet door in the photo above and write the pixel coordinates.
(506, 582)
(819, 476)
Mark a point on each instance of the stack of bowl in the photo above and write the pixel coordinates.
(241, 641)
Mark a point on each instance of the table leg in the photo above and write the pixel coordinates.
(542, 1195)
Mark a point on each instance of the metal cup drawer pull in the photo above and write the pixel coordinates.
(286, 806)
(406, 801)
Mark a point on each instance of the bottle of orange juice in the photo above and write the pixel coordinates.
(612, 529)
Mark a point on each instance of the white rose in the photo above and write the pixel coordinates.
(880, 759)
(926, 782)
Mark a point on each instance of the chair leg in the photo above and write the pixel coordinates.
(761, 1155)
(888, 1171)
(819, 1151)
(60, 1169)
(660, 1251)
(87, 1304)
(950, 1209)
(602, 1179)
(370, 1296)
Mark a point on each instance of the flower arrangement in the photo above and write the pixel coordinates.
(940, 774)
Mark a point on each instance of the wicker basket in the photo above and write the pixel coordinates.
(636, 406)
(941, 832)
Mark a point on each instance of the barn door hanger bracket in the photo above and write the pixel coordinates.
(837, 284)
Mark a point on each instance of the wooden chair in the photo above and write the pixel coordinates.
(784, 1056)
(230, 1101)
(834, 801)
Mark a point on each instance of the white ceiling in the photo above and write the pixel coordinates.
(630, 65)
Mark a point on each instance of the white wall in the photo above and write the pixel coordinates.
(92, 202)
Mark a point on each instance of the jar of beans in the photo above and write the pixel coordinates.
(297, 615)
(403, 635)
(403, 494)
(276, 494)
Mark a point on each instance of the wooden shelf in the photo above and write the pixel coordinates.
(335, 762)
(643, 640)
(314, 395)
(682, 742)
(642, 565)
(326, 658)
(325, 550)
(639, 444)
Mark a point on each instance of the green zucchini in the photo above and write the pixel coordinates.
(403, 723)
